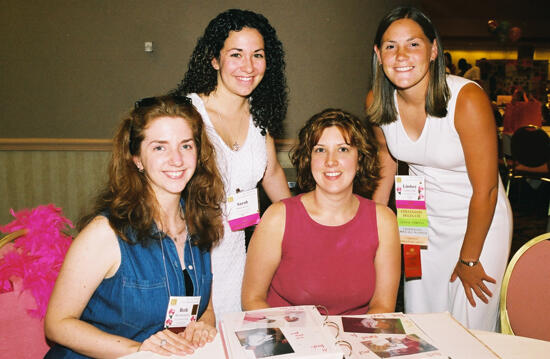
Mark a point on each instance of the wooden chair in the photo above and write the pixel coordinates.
(525, 293)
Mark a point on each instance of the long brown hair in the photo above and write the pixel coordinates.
(129, 201)
(355, 134)
(382, 111)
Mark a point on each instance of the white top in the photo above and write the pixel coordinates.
(437, 155)
(241, 170)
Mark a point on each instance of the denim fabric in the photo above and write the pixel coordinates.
(133, 302)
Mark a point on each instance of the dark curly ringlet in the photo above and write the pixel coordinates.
(129, 198)
(268, 101)
(356, 135)
(383, 110)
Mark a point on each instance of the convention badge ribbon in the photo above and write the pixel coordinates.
(412, 219)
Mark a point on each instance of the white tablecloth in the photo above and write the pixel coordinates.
(446, 333)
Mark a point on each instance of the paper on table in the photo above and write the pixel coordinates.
(390, 335)
(289, 332)
(209, 351)
(451, 337)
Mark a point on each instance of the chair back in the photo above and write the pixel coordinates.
(530, 146)
(21, 335)
(525, 293)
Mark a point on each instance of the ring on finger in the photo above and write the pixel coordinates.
(163, 342)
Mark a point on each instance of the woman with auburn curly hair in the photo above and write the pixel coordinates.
(329, 246)
(237, 82)
(146, 244)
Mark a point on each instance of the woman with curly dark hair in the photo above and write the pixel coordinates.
(329, 246)
(237, 82)
(146, 244)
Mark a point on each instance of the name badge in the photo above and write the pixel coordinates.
(180, 312)
(412, 218)
(243, 209)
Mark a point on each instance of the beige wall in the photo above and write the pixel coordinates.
(68, 179)
(71, 68)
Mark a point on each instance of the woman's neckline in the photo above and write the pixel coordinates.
(416, 140)
(209, 121)
(350, 221)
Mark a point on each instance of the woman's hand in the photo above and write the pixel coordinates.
(167, 343)
(198, 333)
(473, 279)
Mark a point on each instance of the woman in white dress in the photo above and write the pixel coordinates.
(236, 80)
(442, 126)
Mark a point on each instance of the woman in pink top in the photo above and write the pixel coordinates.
(330, 246)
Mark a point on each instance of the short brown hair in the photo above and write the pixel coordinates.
(356, 135)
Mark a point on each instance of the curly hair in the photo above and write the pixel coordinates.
(383, 110)
(356, 135)
(269, 100)
(128, 197)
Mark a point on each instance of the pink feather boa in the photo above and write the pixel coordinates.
(37, 256)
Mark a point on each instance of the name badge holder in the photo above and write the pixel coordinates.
(180, 312)
(243, 209)
(412, 219)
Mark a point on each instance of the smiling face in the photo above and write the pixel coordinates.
(168, 155)
(405, 54)
(334, 162)
(241, 64)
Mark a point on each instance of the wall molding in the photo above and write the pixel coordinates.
(86, 144)
(55, 144)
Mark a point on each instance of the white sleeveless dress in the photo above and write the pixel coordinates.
(438, 156)
(241, 170)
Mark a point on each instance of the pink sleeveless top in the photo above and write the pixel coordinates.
(331, 266)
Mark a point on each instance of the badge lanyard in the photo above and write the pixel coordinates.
(181, 309)
(412, 218)
(243, 209)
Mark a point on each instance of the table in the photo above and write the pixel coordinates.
(511, 347)
(446, 333)
(440, 328)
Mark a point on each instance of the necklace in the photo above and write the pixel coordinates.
(235, 146)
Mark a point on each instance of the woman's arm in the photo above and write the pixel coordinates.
(274, 182)
(388, 165)
(388, 170)
(475, 125)
(263, 257)
(387, 262)
(93, 256)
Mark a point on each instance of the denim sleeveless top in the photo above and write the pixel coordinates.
(133, 302)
